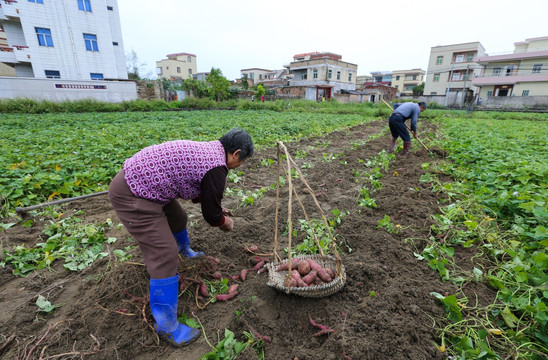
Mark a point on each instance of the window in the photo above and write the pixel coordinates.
(53, 74)
(350, 77)
(456, 76)
(189, 59)
(469, 57)
(525, 93)
(397, 77)
(397, 86)
(536, 69)
(91, 42)
(84, 5)
(490, 93)
(330, 74)
(44, 37)
(439, 60)
(409, 87)
(510, 70)
(37, 1)
(496, 71)
(315, 74)
(436, 77)
(414, 77)
(179, 69)
(115, 43)
(189, 71)
(110, 8)
(338, 75)
(459, 58)
(433, 93)
(96, 76)
(303, 76)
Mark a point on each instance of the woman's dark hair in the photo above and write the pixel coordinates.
(238, 139)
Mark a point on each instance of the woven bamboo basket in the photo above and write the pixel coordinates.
(276, 279)
(280, 279)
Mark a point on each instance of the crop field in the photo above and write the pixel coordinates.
(444, 250)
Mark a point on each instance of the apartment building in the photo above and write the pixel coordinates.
(319, 75)
(179, 66)
(405, 80)
(524, 72)
(451, 69)
(63, 50)
(255, 76)
(383, 77)
(63, 39)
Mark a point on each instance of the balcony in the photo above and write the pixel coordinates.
(507, 78)
(8, 8)
(22, 53)
(7, 54)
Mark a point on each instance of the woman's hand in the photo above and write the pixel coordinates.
(228, 225)
(227, 212)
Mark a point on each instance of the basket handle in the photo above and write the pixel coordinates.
(292, 190)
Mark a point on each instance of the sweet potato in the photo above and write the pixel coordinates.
(243, 274)
(203, 290)
(252, 248)
(213, 260)
(292, 283)
(217, 275)
(285, 266)
(258, 266)
(320, 270)
(303, 268)
(330, 272)
(256, 259)
(225, 297)
(232, 288)
(310, 277)
(295, 275)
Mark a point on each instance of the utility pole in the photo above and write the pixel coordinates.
(449, 86)
(464, 92)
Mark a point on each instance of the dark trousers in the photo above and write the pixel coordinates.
(152, 225)
(398, 128)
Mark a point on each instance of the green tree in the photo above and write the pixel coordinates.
(197, 88)
(260, 91)
(219, 85)
(418, 90)
(245, 83)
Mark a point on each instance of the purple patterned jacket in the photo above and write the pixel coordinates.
(173, 169)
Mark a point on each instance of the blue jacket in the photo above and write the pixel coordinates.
(409, 110)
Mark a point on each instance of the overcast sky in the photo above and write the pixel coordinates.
(376, 35)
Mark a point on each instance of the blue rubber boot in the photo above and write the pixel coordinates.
(163, 304)
(183, 242)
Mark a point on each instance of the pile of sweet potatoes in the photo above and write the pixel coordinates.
(307, 272)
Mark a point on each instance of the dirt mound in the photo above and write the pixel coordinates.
(384, 311)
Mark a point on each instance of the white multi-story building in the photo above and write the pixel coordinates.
(76, 43)
(180, 66)
(451, 69)
(523, 72)
(406, 80)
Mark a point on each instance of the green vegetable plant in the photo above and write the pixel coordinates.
(68, 239)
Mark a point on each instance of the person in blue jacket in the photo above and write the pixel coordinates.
(402, 112)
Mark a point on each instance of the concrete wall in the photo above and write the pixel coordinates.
(59, 90)
(488, 102)
(150, 90)
(516, 102)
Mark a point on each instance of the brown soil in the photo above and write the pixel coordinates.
(106, 316)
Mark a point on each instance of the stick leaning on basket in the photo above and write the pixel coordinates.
(281, 279)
